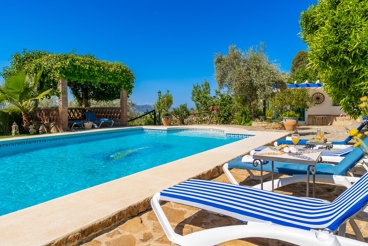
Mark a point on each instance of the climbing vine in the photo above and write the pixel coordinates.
(88, 77)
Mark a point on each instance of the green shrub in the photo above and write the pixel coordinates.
(243, 118)
(6, 121)
(291, 114)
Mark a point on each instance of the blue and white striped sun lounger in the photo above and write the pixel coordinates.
(307, 221)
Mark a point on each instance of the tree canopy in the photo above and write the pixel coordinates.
(249, 77)
(300, 71)
(336, 32)
(201, 96)
(88, 77)
(300, 60)
(291, 100)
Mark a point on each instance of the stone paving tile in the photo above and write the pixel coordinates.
(146, 230)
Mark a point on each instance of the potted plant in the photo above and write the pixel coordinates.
(269, 114)
(87, 125)
(166, 119)
(288, 100)
(290, 120)
(163, 105)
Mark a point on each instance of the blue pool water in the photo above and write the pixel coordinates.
(38, 171)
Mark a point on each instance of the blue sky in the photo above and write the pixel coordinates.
(168, 44)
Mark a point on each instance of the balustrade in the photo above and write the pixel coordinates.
(49, 115)
(112, 113)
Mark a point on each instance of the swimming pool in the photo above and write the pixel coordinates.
(37, 170)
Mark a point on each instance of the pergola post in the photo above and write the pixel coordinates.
(123, 108)
(63, 105)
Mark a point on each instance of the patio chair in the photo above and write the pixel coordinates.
(90, 116)
(287, 140)
(298, 220)
(325, 171)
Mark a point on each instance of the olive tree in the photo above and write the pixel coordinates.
(248, 76)
(337, 36)
(201, 96)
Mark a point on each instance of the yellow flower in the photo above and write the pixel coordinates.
(362, 105)
(363, 98)
(366, 133)
(357, 144)
(359, 135)
(353, 132)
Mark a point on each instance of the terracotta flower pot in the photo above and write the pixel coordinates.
(87, 125)
(166, 120)
(290, 124)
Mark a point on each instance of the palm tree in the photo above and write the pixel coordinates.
(21, 92)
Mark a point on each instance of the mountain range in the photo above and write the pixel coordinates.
(143, 108)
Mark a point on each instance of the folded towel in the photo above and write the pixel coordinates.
(249, 159)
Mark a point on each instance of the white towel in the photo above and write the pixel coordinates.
(249, 159)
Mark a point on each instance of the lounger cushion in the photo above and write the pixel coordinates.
(246, 203)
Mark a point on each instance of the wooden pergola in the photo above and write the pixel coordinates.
(63, 106)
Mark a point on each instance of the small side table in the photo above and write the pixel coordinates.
(308, 158)
(311, 144)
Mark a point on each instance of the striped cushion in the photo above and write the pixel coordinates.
(246, 203)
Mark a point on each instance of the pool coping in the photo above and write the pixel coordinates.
(71, 219)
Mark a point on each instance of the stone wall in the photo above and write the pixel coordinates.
(345, 121)
(105, 224)
(268, 125)
(335, 120)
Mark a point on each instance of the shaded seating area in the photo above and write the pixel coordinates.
(298, 220)
(90, 116)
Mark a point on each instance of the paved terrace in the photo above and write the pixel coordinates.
(80, 216)
(144, 229)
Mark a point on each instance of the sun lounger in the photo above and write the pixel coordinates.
(72, 124)
(341, 168)
(90, 116)
(304, 141)
(298, 220)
